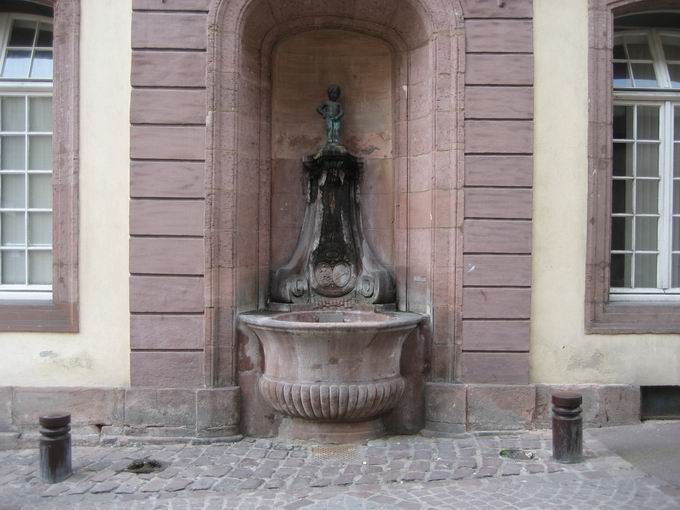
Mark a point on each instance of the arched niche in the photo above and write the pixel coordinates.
(425, 41)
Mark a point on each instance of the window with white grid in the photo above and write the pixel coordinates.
(25, 158)
(645, 223)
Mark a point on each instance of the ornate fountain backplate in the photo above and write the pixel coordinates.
(332, 263)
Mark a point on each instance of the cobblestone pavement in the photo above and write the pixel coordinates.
(400, 472)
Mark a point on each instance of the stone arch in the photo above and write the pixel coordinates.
(427, 41)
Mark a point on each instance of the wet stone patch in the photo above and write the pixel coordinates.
(144, 466)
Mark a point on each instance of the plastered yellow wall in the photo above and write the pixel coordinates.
(99, 354)
(561, 352)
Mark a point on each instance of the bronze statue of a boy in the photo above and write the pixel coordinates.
(332, 113)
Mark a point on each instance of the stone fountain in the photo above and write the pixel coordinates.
(332, 339)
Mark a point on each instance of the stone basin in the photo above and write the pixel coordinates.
(332, 372)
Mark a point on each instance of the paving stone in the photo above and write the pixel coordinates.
(438, 475)
(104, 487)
(463, 472)
(274, 483)
(202, 484)
(343, 480)
(216, 471)
(511, 469)
(177, 484)
(54, 490)
(320, 482)
(250, 484)
(535, 468)
(554, 468)
(154, 485)
(277, 454)
(469, 463)
(127, 488)
(227, 484)
(486, 472)
(241, 473)
(81, 488)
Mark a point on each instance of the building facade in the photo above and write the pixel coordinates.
(519, 182)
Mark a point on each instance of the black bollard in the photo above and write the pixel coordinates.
(567, 427)
(55, 447)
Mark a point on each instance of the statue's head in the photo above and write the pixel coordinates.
(334, 92)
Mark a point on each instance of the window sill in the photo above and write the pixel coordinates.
(38, 316)
(636, 318)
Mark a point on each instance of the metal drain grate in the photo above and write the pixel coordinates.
(346, 454)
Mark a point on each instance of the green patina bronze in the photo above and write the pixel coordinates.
(332, 113)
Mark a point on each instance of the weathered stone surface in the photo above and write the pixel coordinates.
(492, 407)
(6, 424)
(217, 411)
(603, 405)
(258, 418)
(621, 404)
(445, 407)
(88, 406)
(593, 408)
(160, 408)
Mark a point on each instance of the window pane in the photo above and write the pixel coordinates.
(644, 75)
(676, 197)
(623, 160)
(13, 155)
(23, 33)
(621, 76)
(42, 65)
(648, 159)
(620, 271)
(40, 191)
(623, 122)
(13, 114)
(646, 234)
(13, 229)
(676, 234)
(40, 153)
(645, 271)
(676, 160)
(17, 64)
(671, 47)
(622, 199)
(40, 114)
(45, 36)
(648, 123)
(622, 234)
(40, 267)
(619, 53)
(674, 71)
(647, 198)
(40, 229)
(13, 267)
(638, 48)
(676, 123)
(13, 192)
(676, 271)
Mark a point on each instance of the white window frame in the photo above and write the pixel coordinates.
(24, 88)
(667, 99)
